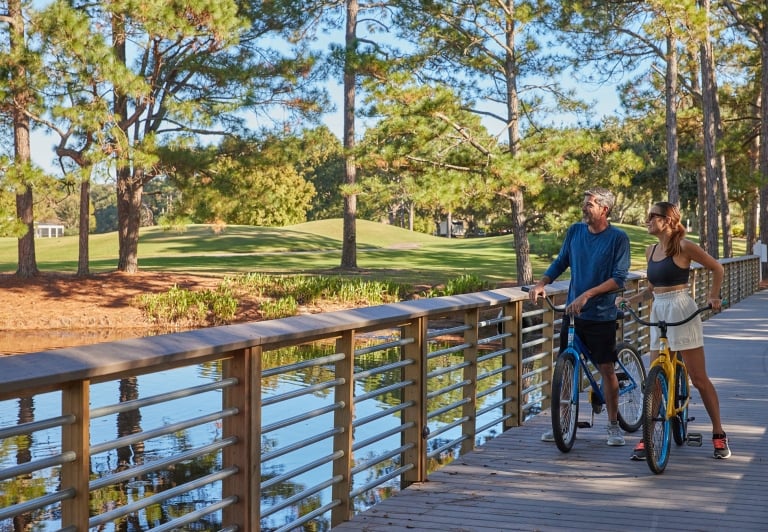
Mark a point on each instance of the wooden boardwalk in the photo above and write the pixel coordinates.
(517, 482)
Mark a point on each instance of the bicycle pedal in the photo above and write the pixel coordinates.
(694, 439)
(584, 425)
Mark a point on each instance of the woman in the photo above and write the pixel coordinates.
(669, 263)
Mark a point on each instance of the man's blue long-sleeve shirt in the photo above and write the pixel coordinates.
(593, 259)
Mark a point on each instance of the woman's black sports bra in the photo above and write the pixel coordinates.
(665, 272)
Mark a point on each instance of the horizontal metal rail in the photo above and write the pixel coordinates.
(162, 431)
(127, 406)
(195, 515)
(315, 362)
(36, 426)
(265, 457)
(37, 465)
(157, 465)
(158, 498)
(36, 503)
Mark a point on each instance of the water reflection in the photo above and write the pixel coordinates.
(17, 342)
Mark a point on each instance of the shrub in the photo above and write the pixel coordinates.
(279, 308)
(182, 306)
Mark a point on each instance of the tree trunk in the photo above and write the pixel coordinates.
(711, 164)
(710, 82)
(725, 209)
(524, 269)
(27, 266)
(517, 200)
(701, 193)
(670, 89)
(26, 244)
(129, 191)
(349, 242)
(83, 259)
(763, 221)
(751, 204)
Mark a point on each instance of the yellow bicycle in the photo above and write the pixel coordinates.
(666, 395)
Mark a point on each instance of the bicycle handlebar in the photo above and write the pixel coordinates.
(556, 308)
(625, 307)
(561, 308)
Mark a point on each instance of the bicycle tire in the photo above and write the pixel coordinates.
(656, 426)
(631, 378)
(565, 401)
(680, 421)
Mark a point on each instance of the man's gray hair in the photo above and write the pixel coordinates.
(603, 197)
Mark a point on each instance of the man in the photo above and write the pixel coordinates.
(598, 256)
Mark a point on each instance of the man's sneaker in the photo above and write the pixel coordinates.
(638, 453)
(615, 438)
(722, 450)
(548, 436)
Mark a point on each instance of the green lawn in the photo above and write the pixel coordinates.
(383, 252)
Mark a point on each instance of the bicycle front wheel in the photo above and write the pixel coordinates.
(630, 372)
(656, 426)
(680, 421)
(565, 401)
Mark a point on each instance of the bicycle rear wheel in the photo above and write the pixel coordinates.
(630, 372)
(565, 401)
(656, 426)
(680, 421)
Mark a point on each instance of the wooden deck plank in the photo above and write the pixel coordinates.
(517, 482)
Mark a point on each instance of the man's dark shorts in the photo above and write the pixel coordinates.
(598, 336)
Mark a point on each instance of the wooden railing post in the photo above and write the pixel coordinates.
(469, 409)
(241, 453)
(75, 400)
(416, 393)
(343, 418)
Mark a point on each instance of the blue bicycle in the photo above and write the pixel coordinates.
(573, 365)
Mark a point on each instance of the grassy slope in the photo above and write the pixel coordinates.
(383, 252)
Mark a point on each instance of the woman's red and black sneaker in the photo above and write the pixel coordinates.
(720, 441)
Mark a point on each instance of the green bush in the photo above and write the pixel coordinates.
(464, 284)
(279, 308)
(307, 290)
(284, 293)
(179, 305)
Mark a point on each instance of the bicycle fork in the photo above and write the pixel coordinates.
(678, 397)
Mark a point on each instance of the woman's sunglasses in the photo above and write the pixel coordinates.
(652, 215)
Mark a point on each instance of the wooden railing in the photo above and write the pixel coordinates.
(305, 418)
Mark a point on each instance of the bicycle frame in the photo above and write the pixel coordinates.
(670, 364)
(584, 364)
(567, 382)
(666, 396)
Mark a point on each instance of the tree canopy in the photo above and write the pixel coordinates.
(209, 112)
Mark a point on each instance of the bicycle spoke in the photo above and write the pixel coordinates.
(631, 375)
